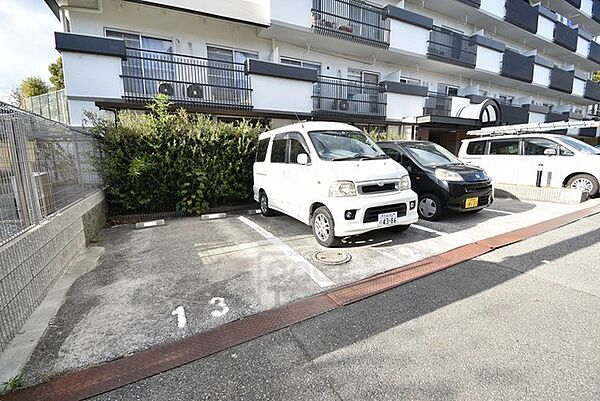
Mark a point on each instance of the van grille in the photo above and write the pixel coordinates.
(375, 188)
(371, 214)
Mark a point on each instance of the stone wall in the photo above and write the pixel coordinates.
(31, 263)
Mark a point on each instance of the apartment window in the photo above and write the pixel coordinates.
(359, 77)
(301, 63)
(227, 77)
(152, 67)
(410, 81)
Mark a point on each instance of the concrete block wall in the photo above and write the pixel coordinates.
(31, 263)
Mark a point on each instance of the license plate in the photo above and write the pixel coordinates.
(387, 219)
(471, 202)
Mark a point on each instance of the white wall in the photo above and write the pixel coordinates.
(541, 75)
(488, 59)
(91, 75)
(296, 12)
(586, 6)
(400, 106)
(578, 86)
(271, 93)
(538, 118)
(254, 11)
(408, 37)
(495, 7)
(457, 104)
(583, 46)
(545, 28)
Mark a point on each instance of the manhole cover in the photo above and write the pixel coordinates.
(332, 257)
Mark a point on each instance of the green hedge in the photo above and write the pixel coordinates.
(164, 160)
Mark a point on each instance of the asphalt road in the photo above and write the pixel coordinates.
(520, 323)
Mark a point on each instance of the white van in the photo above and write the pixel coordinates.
(332, 177)
(515, 159)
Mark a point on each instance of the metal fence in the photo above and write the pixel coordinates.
(52, 105)
(44, 167)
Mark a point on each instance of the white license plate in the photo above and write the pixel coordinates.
(387, 219)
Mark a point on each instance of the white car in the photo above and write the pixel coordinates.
(553, 160)
(332, 177)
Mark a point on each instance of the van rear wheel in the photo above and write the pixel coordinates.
(265, 210)
(585, 183)
(323, 228)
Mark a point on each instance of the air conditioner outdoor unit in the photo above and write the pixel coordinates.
(166, 88)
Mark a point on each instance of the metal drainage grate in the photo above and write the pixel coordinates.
(332, 257)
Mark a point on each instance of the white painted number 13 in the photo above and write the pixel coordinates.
(220, 302)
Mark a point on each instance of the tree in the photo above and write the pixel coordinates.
(596, 76)
(56, 74)
(15, 97)
(33, 86)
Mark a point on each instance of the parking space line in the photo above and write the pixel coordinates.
(428, 230)
(318, 277)
(498, 211)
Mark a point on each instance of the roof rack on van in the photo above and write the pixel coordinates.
(532, 128)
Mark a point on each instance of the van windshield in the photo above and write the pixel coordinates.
(345, 145)
(430, 154)
(580, 146)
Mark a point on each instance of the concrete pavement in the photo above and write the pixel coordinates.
(519, 323)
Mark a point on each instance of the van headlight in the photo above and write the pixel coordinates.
(445, 175)
(342, 188)
(404, 182)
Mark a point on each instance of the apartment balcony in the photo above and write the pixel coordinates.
(521, 14)
(437, 104)
(451, 47)
(561, 80)
(592, 91)
(338, 97)
(565, 36)
(187, 80)
(594, 52)
(351, 20)
(517, 66)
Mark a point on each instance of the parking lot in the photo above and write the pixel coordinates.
(159, 284)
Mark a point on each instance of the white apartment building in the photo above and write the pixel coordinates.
(427, 69)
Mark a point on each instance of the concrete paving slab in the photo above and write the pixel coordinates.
(224, 267)
(476, 331)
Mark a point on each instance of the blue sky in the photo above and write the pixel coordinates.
(26, 41)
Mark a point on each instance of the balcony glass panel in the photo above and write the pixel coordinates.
(521, 14)
(344, 97)
(351, 20)
(187, 80)
(437, 104)
(452, 47)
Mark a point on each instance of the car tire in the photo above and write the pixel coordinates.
(401, 228)
(585, 182)
(323, 228)
(263, 201)
(430, 207)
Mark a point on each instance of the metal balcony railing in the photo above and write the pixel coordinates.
(437, 104)
(351, 20)
(344, 97)
(451, 47)
(187, 80)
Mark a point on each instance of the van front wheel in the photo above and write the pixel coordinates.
(264, 205)
(323, 227)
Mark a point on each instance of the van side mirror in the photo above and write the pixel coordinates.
(302, 158)
(550, 152)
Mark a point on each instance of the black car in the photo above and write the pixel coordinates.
(440, 179)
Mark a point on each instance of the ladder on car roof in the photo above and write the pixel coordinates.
(532, 128)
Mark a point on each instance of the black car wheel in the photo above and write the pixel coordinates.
(265, 210)
(430, 207)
